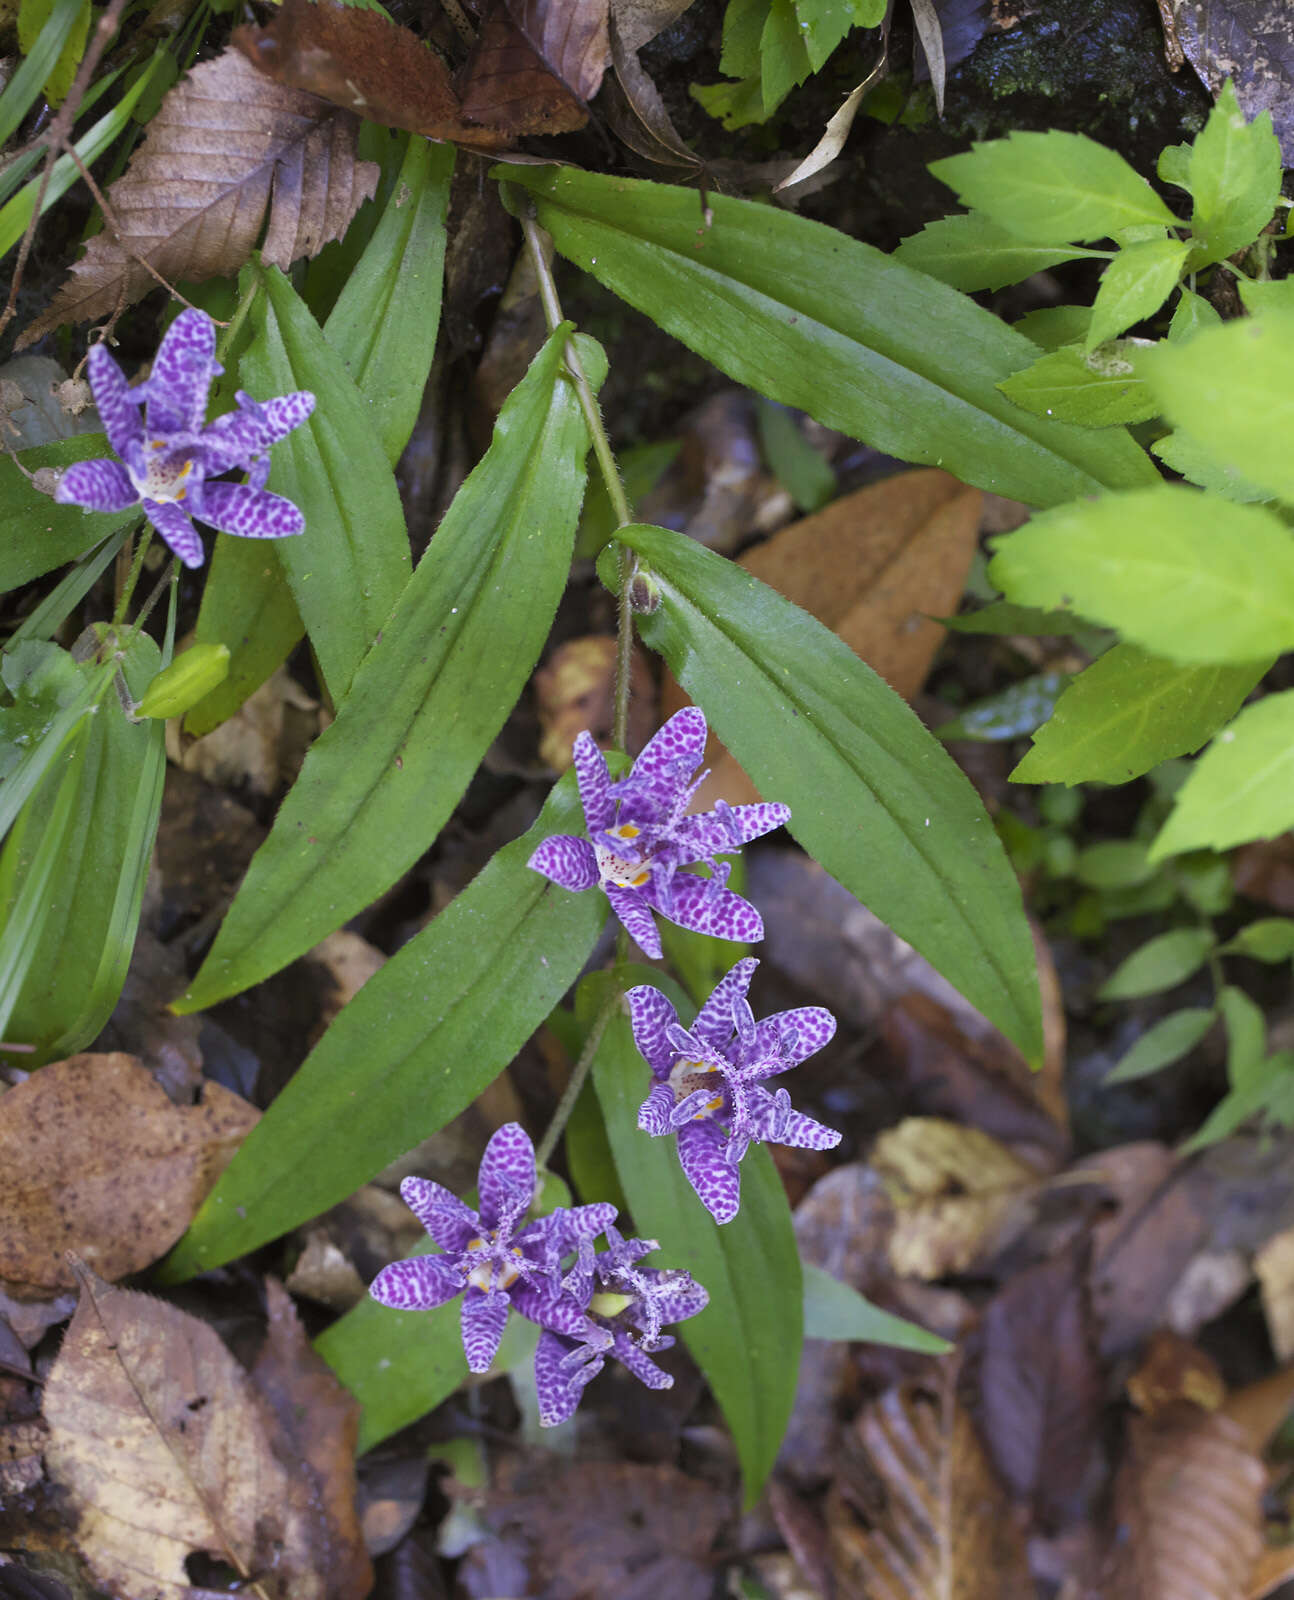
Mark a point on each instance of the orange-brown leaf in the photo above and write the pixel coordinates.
(505, 85)
(227, 144)
(570, 37)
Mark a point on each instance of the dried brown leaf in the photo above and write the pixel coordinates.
(506, 87)
(226, 144)
(1250, 42)
(639, 21)
(1274, 1265)
(570, 37)
(164, 1446)
(1173, 1370)
(1188, 1510)
(638, 113)
(1261, 1409)
(930, 1521)
(95, 1158)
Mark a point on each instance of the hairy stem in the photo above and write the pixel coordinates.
(579, 1073)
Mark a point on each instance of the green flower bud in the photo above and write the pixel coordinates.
(188, 679)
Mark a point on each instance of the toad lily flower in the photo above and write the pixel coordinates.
(709, 1081)
(488, 1255)
(638, 838)
(168, 456)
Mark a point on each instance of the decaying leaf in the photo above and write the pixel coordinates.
(942, 1529)
(1173, 1370)
(958, 1195)
(1252, 43)
(225, 145)
(570, 37)
(638, 112)
(95, 1158)
(165, 1446)
(1274, 1265)
(505, 85)
(573, 691)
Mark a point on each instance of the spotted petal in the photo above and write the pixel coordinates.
(726, 828)
(250, 513)
(177, 387)
(652, 1015)
(550, 1309)
(176, 527)
(116, 402)
(640, 1363)
(449, 1222)
(595, 783)
(101, 485)
(695, 903)
(419, 1284)
(630, 906)
(793, 1036)
(568, 861)
(794, 1128)
(507, 1176)
(667, 762)
(717, 1182)
(558, 1382)
(713, 1025)
(237, 438)
(654, 1113)
(483, 1321)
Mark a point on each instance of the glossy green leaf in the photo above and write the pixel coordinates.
(1011, 712)
(747, 1340)
(1092, 391)
(874, 797)
(51, 697)
(423, 1037)
(1052, 188)
(834, 1310)
(972, 252)
(1129, 711)
(1234, 175)
(1183, 574)
(1269, 939)
(1050, 327)
(1161, 963)
(1191, 315)
(188, 678)
(1261, 295)
(384, 323)
(39, 535)
(1200, 466)
(24, 87)
(784, 56)
(454, 656)
(352, 562)
(1242, 787)
(1134, 286)
(810, 318)
(1229, 388)
(1174, 164)
(1167, 1041)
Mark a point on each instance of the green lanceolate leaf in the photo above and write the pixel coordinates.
(1168, 1041)
(39, 535)
(1052, 188)
(1229, 388)
(1185, 575)
(385, 320)
(1234, 175)
(350, 565)
(418, 1043)
(1134, 286)
(379, 784)
(91, 900)
(834, 1310)
(1161, 963)
(747, 1340)
(1269, 939)
(873, 795)
(840, 330)
(1128, 712)
(51, 696)
(973, 252)
(1242, 787)
(1093, 391)
(21, 91)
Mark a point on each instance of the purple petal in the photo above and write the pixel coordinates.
(652, 1015)
(629, 906)
(595, 783)
(713, 1025)
(449, 1222)
(804, 1133)
(507, 1177)
(418, 1284)
(582, 1223)
(484, 1318)
(696, 904)
(177, 386)
(176, 527)
(655, 1112)
(717, 1182)
(673, 753)
(250, 513)
(237, 438)
(639, 1363)
(792, 1036)
(550, 1309)
(117, 403)
(727, 828)
(558, 1386)
(684, 1300)
(97, 485)
(569, 862)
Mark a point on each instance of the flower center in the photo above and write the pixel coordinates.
(623, 868)
(494, 1273)
(163, 478)
(686, 1077)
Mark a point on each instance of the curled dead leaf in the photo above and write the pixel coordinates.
(95, 1158)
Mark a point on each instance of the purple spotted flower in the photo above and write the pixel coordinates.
(490, 1255)
(610, 1306)
(168, 457)
(709, 1081)
(639, 836)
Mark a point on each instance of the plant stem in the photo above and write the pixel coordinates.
(132, 577)
(235, 322)
(579, 1073)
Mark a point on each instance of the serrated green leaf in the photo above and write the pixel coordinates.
(1133, 287)
(972, 252)
(743, 26)
(1161, 963)
(1129, 711)
(1011, 712)
(1197, 465)
(1002, 617)
(1234, 176)
(824, 23)
(817, 321)
(1174, 165)
(1050, 327)
(1269, 939)
(350, 565)
(384, 323)
(1229, 387)
(1052, 188)
(799, 468)
(1191, 315)
(747, 1340)
(454, 655)
(783, 54)
(423, 1037)
(873, 796)
(1167, 1041)
(1242, 787)
(735, 105)
(39, 535)
(1093, 391)
(1260, 295)
(834, 1310)
(1187, 576)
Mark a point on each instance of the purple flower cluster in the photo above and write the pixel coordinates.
(604, 1304)
(169, 454)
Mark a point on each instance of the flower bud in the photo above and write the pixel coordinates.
(188, 679)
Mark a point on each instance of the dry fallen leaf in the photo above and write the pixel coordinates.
(943, 1529)
(570, 37)
(164, 1446)
(958, 1195)
(1171, 1370)
(1274, 1265)
(225, 145)
(95, 1158)
(1250, 42)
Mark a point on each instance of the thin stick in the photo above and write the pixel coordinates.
(579, 1072)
